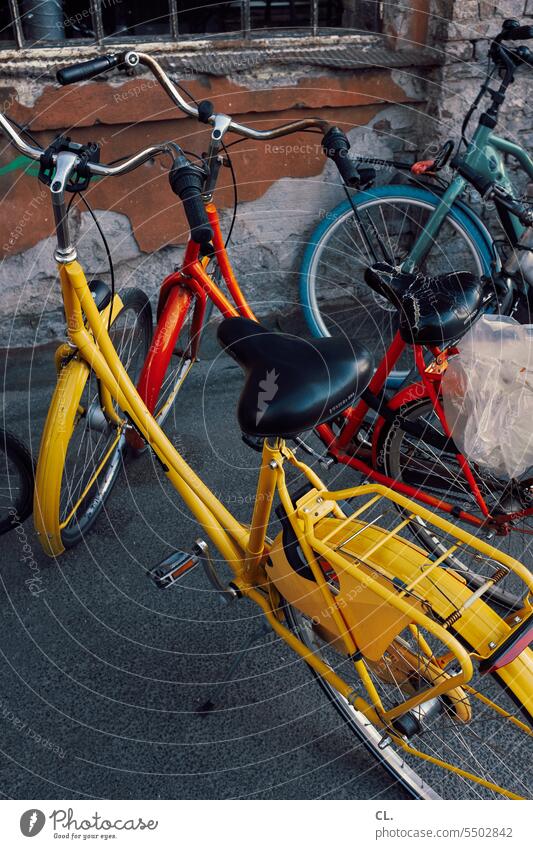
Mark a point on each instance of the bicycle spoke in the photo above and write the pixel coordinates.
(91, 463)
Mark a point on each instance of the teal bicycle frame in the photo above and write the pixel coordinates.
(485, 155)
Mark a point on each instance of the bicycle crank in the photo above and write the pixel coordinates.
(227, 593)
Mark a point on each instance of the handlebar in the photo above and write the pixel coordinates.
(93, 67)
(130, 59)
(509, 57)
(96, 168)
(187, 183)
(23, 147)
(335, 143)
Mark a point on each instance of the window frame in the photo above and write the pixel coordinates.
(246, 37)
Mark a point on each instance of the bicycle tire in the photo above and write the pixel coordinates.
(16, 493)
(341, 267)
(362, 728)
(389, 454)
(69, 496)
(158, 382)
(457, 717)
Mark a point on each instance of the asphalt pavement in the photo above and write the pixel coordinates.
(102, 674)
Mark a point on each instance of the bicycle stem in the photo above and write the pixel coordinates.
(66, 164)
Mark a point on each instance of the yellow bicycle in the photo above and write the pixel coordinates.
(428, 674)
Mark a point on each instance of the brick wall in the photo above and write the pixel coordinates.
(461, 30)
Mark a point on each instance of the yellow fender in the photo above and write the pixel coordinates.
(58, 429)
(72, 376)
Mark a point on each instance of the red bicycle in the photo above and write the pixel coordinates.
(402, 439)
(189, 293)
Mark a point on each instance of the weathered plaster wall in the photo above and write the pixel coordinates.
(397, 101)
(283, 186)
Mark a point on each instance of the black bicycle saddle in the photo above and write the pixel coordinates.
(292, 384)
(433, 310)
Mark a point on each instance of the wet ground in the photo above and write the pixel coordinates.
(102, 674)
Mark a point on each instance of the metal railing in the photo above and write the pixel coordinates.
(39, 23)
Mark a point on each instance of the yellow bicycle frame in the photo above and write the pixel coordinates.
(246, 548)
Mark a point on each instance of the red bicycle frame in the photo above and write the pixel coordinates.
(192, 283)
(178, 291)
(338, 444)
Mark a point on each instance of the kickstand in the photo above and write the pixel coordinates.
(256, 636)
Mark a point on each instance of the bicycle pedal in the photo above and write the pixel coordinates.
(172, 568)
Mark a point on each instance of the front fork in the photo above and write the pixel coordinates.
(67, 351)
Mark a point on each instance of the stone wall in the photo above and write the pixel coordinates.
(462, 29)
(395, 97)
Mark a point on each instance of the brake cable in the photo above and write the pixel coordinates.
(105, 243)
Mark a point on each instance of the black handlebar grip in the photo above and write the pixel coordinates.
(87, 70)
(513, 31)
(201, 230)
(523, 53)
(186, 181)
(336, 146)
(205, 110)
(348, 171)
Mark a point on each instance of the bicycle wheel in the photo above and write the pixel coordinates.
(409, 460)
(16, 481)
(478, 727)
(169, 358)
(333, 293)
(83, 444)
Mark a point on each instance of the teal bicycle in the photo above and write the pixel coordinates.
(427, 228)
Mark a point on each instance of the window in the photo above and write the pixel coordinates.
(7, 35)
(35, 23)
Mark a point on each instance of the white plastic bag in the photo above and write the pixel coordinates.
(488, 396)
